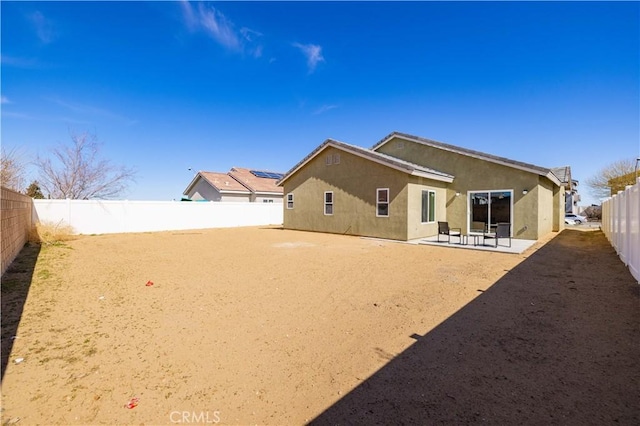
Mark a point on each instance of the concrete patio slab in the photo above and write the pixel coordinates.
(517, 246)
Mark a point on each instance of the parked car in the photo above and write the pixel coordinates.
(575, 218)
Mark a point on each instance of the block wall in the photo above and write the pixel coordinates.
(16, 222)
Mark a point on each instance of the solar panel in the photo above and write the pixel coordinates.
(268, 175)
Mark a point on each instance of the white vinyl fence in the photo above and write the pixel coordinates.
(108, 217)
(621, 225)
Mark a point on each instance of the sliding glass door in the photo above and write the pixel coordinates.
(488, 208)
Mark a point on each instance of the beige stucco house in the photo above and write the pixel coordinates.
(401, 187)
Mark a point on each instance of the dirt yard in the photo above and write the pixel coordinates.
(266, 326)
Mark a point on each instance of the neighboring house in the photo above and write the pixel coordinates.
(239, 185)
(404, 185)
(262, 184)
(571, 196)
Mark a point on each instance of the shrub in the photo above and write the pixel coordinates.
(51, 233)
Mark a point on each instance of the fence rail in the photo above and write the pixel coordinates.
(116, 216)
(621, 225)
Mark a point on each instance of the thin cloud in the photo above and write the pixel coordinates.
(91, 110)
(219, 27)
(216, 25)
(4, 100)
(18, 62)
(324, 108)
(44, 118)
(43, 26)
(189, 15)
(313, 54)
(251, 37)
(20, 115)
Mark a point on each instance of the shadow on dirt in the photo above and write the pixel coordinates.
(16, 282)
(555, 341)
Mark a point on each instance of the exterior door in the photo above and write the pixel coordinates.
(491, 207)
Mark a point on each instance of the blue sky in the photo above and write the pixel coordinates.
(168, 86)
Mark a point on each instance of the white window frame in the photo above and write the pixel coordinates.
(326, 204)
(378, 203)
(428, 191)
(336, 158)
(328, 160)
(290, 201)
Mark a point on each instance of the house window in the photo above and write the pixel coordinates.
(267, 201)
(336, 158)
(290, 200)
(328, 203)
(328, 159)
(382, 202)
(428, 206)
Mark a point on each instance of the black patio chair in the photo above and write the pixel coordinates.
(477, 226)
(443, 229)
(503, 230)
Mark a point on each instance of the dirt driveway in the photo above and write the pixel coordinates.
(266, 326)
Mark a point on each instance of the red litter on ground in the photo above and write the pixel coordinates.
(149, 283)
(133, 403)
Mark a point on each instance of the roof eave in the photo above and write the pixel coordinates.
(231, 191)
(192, 183)
(268, 193)
(546, 173)
(432, 176)
(345, 147)
(553, 178)
(304, 161)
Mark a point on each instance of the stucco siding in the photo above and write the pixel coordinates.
(558, 208)
(416, 228)
(236, 198)
(472, 174)
(354, 181)
(203, 191)
(276, 198)
(545, 203)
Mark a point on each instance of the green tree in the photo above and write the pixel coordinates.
(33, 191)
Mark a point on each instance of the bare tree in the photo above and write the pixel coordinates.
(12, 169)
(78, 172)
(613, 177)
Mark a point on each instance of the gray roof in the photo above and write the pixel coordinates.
(471, 153)
(378, 157)
(563, 173)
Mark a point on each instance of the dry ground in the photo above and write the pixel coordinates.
(266, 326)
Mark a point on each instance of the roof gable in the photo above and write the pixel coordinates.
(221, 182)
(377, 157)
(471, 153)
(564, 176)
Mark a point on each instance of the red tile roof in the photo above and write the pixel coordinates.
(254, 183)
(223, 182)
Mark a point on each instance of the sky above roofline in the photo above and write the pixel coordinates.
(169, 86)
